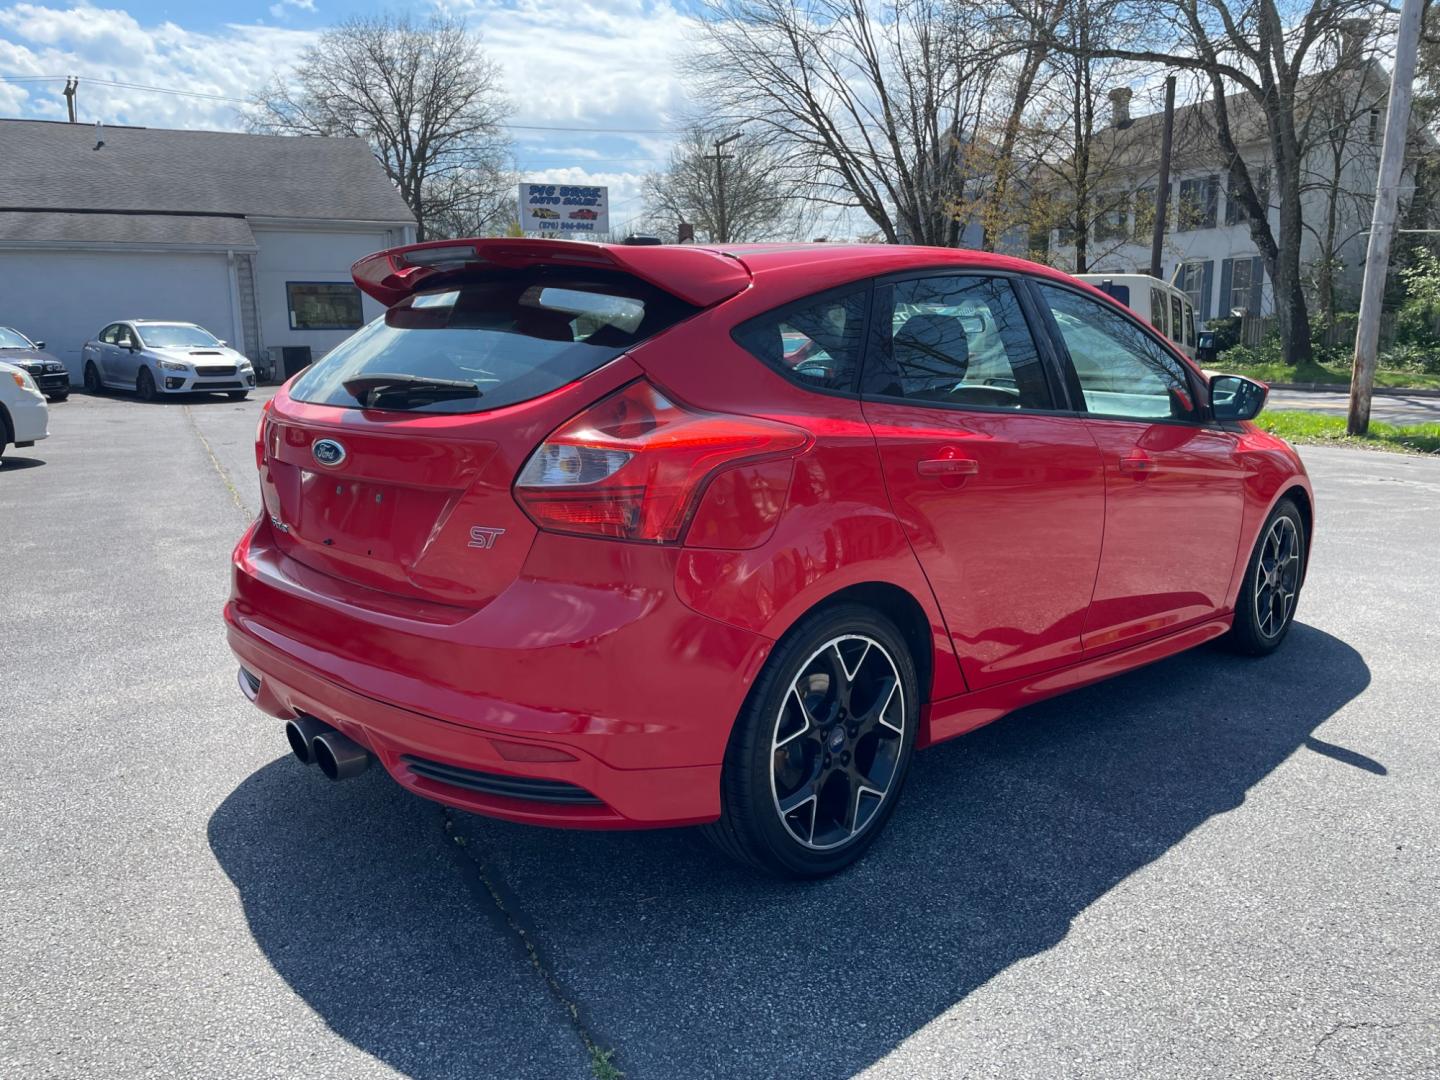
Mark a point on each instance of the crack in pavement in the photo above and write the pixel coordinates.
(504, 906)
(1353, 1025)
(221, 471)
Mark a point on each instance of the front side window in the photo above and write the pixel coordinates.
(1123, 371)
(13, 339)
(178, 336)
(323, 305)
(490, 341)
(110, 334)
(960, 341)
(816, 343)
(1159, 311)
(124, 336)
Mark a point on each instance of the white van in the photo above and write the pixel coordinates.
(1163, 305)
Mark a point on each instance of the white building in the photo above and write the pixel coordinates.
(251, 236)
(1208, 249)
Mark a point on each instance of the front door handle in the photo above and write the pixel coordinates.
(1138, 463)
(949, 463)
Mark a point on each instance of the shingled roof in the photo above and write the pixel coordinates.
(68, 168)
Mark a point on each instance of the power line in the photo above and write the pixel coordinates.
(243, 101)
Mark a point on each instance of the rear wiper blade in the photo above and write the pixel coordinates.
(370, 389)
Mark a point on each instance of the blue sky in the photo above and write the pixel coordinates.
(587, 65)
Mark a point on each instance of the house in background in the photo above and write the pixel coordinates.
(1208, 250)
(251, 236)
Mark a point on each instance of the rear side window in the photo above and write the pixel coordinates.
(816, 342)
(1177, 320)
(959, 341)
(483, 343)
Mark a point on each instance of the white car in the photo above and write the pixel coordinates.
(153, 358)
(24, 416)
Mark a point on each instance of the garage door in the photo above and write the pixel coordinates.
(65, 298)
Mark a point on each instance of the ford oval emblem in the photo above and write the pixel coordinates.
(328, 452)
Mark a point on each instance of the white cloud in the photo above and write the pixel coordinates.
(282, 9)
(592, 65)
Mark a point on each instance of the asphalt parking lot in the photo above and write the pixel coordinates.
(1210, 868)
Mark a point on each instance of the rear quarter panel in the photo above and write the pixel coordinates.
(837, 529)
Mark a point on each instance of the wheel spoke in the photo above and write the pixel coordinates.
(807, 721)
(835, 747)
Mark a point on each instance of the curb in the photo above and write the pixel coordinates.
(1344, 388)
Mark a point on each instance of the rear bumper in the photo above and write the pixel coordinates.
(635, 697)
(627, 798)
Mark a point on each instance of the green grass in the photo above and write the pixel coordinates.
(1318, 373)
(1321, 430)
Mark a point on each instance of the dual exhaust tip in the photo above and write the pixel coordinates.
(317, 743)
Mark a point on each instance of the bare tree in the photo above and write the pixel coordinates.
(1001, 207)
(759, 193)
(871, 105)
(424, 95)
(1263, 49)
(1340, 135)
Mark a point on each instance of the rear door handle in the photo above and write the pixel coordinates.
(948, 466)
(1138, 463)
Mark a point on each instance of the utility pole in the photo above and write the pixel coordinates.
(71, 82)
(1382, 226)
(722, 226)
(1162, 186)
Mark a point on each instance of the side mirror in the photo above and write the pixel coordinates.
(1234, 397)
(224, 343)
(39, 344)
(1205, 347)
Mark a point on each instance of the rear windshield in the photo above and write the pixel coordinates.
(483, 343)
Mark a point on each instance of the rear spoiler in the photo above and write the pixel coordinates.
(698, 276)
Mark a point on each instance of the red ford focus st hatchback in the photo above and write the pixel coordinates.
(610, 537)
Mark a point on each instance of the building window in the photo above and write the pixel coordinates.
(1195, 278)
(323, 305)
(1374, 125)
(1234, 212)
(1144, 214)
(1241, 282)
(1113, 221)
(1198, 203)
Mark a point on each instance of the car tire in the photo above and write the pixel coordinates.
(237, 395)
(812, 772)
(57, 398)
(145, 385)
(6, 436)
(1265, 608)
(93, 385)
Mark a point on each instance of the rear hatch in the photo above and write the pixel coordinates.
(390, 462)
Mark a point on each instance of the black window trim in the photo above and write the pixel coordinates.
(290, 310)
(882, 297)
(865, 286)
(1199, 391)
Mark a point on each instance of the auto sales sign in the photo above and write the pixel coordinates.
(564, 208)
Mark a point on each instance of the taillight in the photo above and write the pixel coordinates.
(260, 436)
(630, 466)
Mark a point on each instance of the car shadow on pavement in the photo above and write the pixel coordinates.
(688, 966)
(16, 464)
